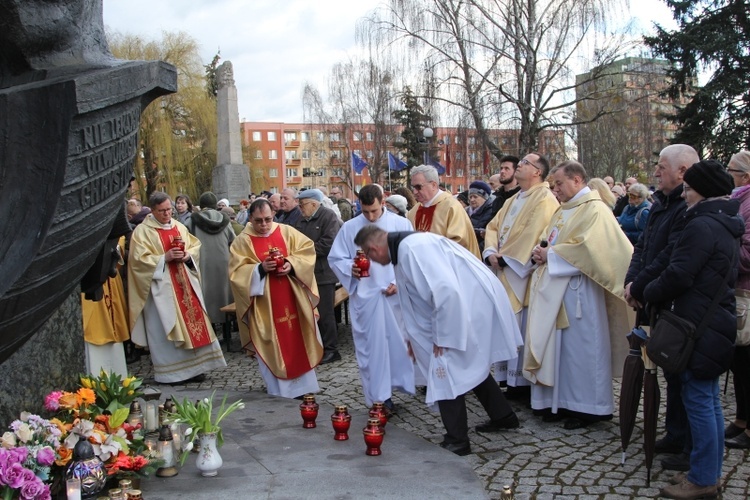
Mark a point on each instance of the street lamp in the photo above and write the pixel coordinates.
(428, 133)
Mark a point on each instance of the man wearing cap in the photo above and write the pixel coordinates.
(321, 225)
(275, 306)
(215, 233)
(480, 201)
(506, 182)
(511, 236)
(288, 212)
(379, 343)
(167, 311)
(438, 212)
(651, 255)
(577, 311)
(458, 321)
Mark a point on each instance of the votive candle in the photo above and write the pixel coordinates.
(73, 487)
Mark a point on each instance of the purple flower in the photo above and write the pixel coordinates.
(15, 476)
(45, 456)
(34, 489)
(18, 454)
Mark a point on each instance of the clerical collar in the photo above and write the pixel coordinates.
(585, 190)
(394, 240)
(429, 203)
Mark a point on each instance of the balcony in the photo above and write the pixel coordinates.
(337, 144)
(291, 144)
(293, 161)
(294, 180)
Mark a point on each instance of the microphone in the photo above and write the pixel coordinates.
(542, 244)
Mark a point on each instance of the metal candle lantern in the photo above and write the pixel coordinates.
(341, 421)
(88, 468)
(135, 417)
(166, 453)
(309, 411)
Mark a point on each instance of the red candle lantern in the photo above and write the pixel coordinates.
(373, 437)
(309, 411)
(277, 257)
(378, 411)
(341, 421)
(179, 243)
(363, 263)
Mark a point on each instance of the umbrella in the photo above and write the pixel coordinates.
(632, 384)
(651, 397)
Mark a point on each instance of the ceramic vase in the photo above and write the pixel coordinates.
(209, 461)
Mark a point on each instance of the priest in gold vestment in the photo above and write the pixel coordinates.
(275, 305)
(438, 212)
(508, 242)
(167, 312)
(577, 317)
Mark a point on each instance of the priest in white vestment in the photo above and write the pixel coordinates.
(510, 238)
(577, 313)
(458, 321)
(379, 342)
(167, 311)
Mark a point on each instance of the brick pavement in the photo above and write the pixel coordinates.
(540, 460)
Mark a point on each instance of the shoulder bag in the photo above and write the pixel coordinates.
(672, 338)
(743, 326)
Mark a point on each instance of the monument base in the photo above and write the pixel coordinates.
(50, 361)
(231, 182)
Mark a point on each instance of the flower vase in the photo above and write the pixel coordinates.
(209, 461)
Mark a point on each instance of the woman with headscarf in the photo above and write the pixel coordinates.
(703, 266)
(480, 203)
(736, 434)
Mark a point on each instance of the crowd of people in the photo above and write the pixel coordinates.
(529, 281)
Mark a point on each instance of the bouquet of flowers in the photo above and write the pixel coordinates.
(39, 438)
(17, 481)
(112, 391)
(200, 417)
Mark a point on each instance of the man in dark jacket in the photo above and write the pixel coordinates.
(506, 178)
(321, 225)
(289, 212)
(650, 257)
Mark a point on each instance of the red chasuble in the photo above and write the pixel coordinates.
(190, 306)
(284, 307)
(423, 220)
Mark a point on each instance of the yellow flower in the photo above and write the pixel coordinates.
(126, 383)
(86, 382)
(103, 386)
(131, 392)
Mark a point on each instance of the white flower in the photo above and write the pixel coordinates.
(24, 433)
(241, 406)
(25, 416)
(188, 431)
(189, 446)
(9, 440)
(205, 400)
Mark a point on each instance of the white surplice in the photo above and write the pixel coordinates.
(379, 341)
(449, 298)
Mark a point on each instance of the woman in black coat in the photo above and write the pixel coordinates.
(701, 259)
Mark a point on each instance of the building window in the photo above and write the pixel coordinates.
(273, 172)
(271, 136)
(337, 172)
(306, 154)
(446, 139)
(273, 155)
(291, 172)
(357, 136)
(473, 155)
(258, 154)
(321, 154)
(321, 136)
(322, 172)
(335, 153)
(459, 155)
(370, 153)
(460, 173)
(335, 137)
(305, 136)
(290, 154)
(368, 136)
(256, 136)
(449, 188)
(472, 140)
(458, 139)
(290, 136)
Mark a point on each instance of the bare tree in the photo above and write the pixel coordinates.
(504, 62)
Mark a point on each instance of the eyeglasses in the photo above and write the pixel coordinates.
(633, 195)
(417, 187)
(267, 220)
(164, 211)
(736, 170)
(524, 161)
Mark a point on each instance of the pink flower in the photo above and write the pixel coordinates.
(52, 401)
(18, 454)
(15, 476)
(45, 456)
(35, 489)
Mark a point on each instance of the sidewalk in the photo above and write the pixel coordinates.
(541, 460)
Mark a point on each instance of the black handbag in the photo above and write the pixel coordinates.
(672, 338)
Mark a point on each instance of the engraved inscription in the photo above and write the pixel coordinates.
(108, 130)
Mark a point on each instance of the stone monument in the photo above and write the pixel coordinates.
(231, 177)
(69, 120)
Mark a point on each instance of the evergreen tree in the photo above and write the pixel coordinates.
(713, 37)
(412, 143)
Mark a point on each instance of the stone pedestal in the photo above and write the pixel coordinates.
(231, 182)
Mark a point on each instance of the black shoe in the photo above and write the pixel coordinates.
(575, 423)
(390, 408)
(515, 393)
(552, 417)
(739, 442)
(732, 430)
(460, 449)
(509, 422)
(679, 462)
(197, 379)
(330, 357)
(666, 445)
